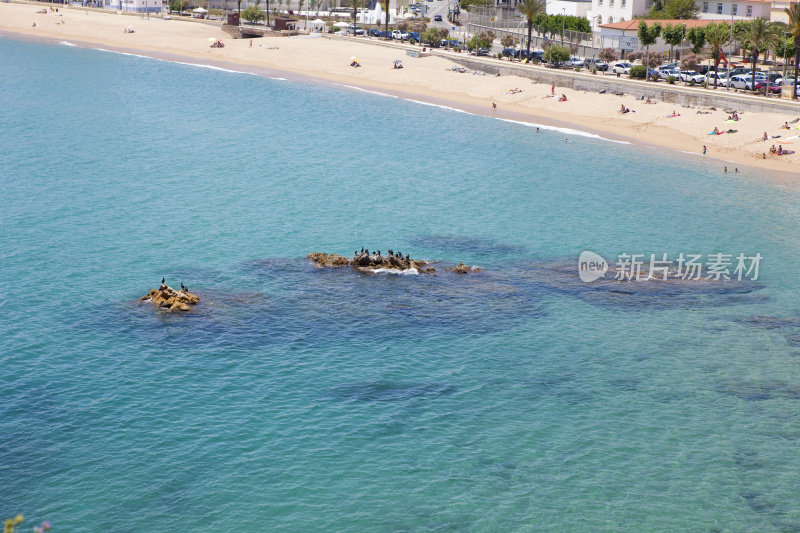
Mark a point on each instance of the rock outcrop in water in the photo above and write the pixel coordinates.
(461, 268)
(165, 298)
(370, 261)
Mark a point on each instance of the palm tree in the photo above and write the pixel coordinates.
(793, 27)
(762, 35)
(531, 9)
(356, 5)
(717, 36)
(386, 27)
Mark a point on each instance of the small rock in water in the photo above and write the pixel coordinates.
(165, 298)
(461, 268)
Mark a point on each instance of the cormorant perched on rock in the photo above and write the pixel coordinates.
(379, 253)
(390, 253)
(182, 287)
(362, 249)
(407, 258)
(163, 280)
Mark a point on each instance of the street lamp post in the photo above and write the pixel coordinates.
(563, 21)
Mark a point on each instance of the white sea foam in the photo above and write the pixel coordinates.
(280, 79)
(568, 131)
(199, 65)
(447, 107)
(66, 43)
(406, 272)
(365, 90)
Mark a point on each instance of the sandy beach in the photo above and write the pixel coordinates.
(429, 79)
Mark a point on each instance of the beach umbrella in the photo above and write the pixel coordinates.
(397, 61)
(341, 25)
(200, 10)
(211, 39)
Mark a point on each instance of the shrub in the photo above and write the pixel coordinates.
(609, 55)
(253, 14)
(556, 53)
(638, 71)
(671, 80)
(577, 68)
(633, 56)
(594, 70)
(499, 55)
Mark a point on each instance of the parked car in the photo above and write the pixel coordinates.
(669, 65)
(576, 62)
(597, 63)
(721, 77)
(774, 88)
(621, 68)
(399, 35)
(691, 76)
(774, 77)
(788, 80)
(357, 30)
(508, 52)
(437, 18)
(413, 35)
(739, 82)
(372, 32)
(742, 71)
(665, 73)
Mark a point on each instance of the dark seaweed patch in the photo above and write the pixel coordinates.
(389, 391)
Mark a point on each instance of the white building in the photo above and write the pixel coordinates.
(612, 11)
(751, 9)
(576, 8)
(619, 35)
(139, 6)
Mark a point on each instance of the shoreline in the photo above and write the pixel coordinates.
(474, 97)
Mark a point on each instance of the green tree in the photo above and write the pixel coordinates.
(176, 5)
(672, 35)
(252, 14)
(481, 40)
(647, 36)
(762, 35)
(680, 9)
(530, 9)
(300, 4)
(696, 36)
(717, 35)
(793, 27)
(556, 53)
(467, 4)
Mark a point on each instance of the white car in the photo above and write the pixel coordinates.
(399, 35)
(621, 68)
(740, 82)
(690, 76)
(665, 73)
(722, 79)
(788, 80)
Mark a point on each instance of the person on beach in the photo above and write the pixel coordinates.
(765, 137)
(785, 126)
(251, 43)
(725, 169)
(716, 130)
(553, 89)
(704, 149)
(563, 98)
(34, 25)
(494, 105)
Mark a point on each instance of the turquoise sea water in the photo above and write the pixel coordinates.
(298, 399)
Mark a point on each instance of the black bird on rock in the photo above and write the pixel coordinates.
(163, 281)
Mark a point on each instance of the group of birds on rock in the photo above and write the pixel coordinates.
(165, 286)
(377, 254)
